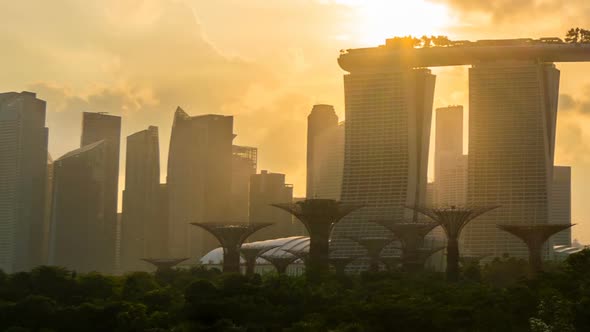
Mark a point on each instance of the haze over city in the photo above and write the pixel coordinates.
(299, 165)
(141, 59)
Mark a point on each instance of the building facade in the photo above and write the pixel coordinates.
(23, 173)
(199, 180)
(387, 132)
(142, 232)
(321, 119)
(450, 165)
(79, 226)
(561, 204)
(512, 119)
(327, 163)
(103, 127)
(266, 189)
(244, 165)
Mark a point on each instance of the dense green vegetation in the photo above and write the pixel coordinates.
(496, 297)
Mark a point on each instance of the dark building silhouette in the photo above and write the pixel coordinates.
(103, 127)
(321, 119)
(141, 229)
(47, 207)
(560, 211)
(244, 163)
(79, 225)
(199, 180)
(23, 173)
(265, 189)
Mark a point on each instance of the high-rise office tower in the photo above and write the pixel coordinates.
(265, 189)
(23, 167)
(561, 203)
(388, 115)
(450, 165)
(244, 164)
(512, 119)
(47, 207)
(141, 230)
(199, 180)
(321, 118)
(327, 163)
(79, 227)
(97, 127)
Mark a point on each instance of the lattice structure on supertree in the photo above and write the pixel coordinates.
(251, 254)
(164, 264)
(534, 236)
(374, 245)
(231, 237)
(453, 219)
(280, 262)
(411, 236)
(318, 216)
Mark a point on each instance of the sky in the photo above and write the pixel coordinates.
(265, 62)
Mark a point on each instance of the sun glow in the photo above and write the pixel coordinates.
(381, 19)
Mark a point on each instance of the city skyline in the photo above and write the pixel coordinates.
(68, 94)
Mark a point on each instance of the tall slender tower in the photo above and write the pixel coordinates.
(98, 127)
(142, 231)
(513, 111)
(450, 165)
(23, 167)
(199, 179)
(388, 115)
(328, 163)
(79, 227)
(321, 119)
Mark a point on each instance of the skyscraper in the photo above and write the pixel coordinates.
(388, 115)
(23, 167)
(321, 118)
(103, 127)
(327, 163)
(450, 165)
(79, 226)
(513, 111)
(199, 179)
(142, 231)
(561, 203)
(265, 189)
(244, 163)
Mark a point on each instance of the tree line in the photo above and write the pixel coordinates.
(494, 297)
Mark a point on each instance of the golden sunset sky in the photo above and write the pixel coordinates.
(264, 61)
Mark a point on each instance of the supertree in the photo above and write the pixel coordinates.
(280, 262)
(374, 247)
(534, 236)
(318, 216)
(452, 219)
(251, 253)
(231, 237)
(411, 236)
(164, 264)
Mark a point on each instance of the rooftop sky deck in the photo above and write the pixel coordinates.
(463, 53)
